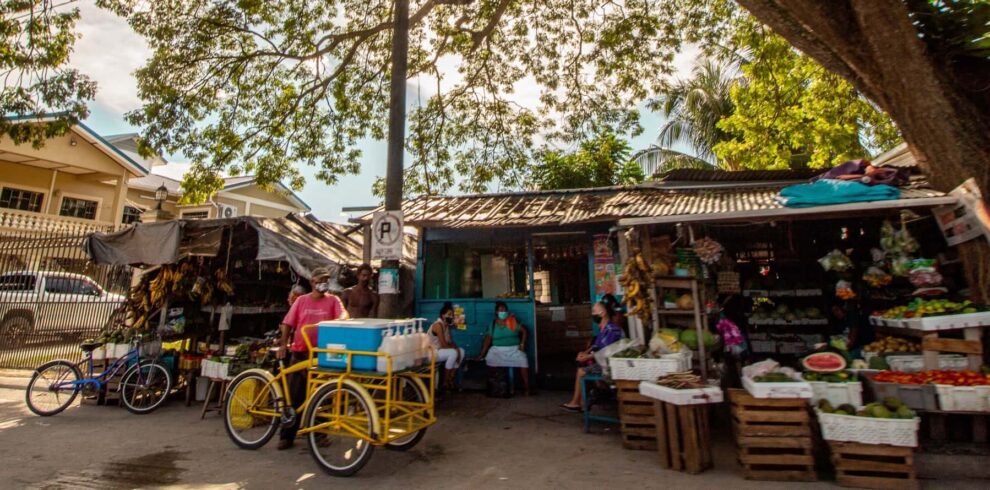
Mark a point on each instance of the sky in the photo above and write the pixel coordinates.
(109, 52)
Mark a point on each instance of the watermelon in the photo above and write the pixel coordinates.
(824, 362)
(689, 338)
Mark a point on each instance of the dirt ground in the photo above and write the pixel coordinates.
(524, 442)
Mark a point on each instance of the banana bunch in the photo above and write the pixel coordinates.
(223, 283)
(636, 279)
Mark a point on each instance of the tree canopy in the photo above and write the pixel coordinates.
(35, 44)
(599, 162)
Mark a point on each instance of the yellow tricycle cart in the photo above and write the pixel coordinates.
(346, 413)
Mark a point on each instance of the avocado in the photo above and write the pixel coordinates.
(841, 412)
(881, 412)
(810, 376)
(845, 407)
(892, 403)
(825, 406)
(903, 412)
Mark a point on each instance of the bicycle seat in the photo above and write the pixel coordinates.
(90, 346)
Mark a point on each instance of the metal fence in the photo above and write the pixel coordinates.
(52, 297)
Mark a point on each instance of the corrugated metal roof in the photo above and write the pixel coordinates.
(594, 205)
(714, 175)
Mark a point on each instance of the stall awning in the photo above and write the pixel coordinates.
(301, 240)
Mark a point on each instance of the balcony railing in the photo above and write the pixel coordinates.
(11, 219)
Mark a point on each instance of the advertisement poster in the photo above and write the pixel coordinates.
(606, 280)
(966, 220)
(459, 320)
(602, 249)
(388, 281)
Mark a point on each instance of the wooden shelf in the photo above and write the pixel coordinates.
(675, 312)
(675, 282)
(248, 310)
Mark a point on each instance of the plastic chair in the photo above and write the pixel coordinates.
(586, 403)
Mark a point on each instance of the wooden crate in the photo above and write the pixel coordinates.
(636, 417)
(774, 437)
(683, 437)
(777, 458)
(769, 417)
(873, 466)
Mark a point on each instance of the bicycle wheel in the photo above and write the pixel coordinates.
(144, 387)
(338, 451)
(52, 388)
(251, 391)
(410, 390)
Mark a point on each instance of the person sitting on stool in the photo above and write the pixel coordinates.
(448, 352)
(608, 333)
(505, 344)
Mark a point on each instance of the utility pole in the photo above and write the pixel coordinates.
(389, 302)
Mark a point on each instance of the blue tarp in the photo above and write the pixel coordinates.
(830, 191)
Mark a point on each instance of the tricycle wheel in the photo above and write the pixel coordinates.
(341, 451)
(410, 390)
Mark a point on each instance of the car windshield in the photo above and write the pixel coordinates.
(17, 282)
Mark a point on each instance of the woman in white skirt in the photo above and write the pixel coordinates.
(448, 352)
(505, 343)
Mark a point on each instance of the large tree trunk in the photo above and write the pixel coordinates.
(941, 112)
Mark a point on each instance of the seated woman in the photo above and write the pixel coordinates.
(505, 343)
(447, 351)
(608, 332)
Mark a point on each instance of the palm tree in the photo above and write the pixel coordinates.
(693, 108)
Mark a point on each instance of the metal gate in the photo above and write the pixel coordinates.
(52, 297)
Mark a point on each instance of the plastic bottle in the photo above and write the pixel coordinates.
(411, 346)
(387, 347)
(425, 345)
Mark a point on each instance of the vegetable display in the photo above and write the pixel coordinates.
(890, 408)
(936, 376)
(681, 381)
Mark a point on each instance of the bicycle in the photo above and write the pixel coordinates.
(341, 418)
(55, 384)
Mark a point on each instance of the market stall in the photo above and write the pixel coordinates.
(214, 288)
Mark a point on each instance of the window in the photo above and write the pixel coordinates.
(78, 208)
(63, 285)
(17, 282)
(473, 270)
(131, 215)
(21, 199)
(195, 215)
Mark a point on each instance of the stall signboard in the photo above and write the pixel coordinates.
(605, 267)
(967, 219)
(386, 235)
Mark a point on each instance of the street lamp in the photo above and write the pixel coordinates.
(161, 194)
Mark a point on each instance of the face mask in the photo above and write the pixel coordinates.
(322, 287)
(448, 320)
(503, 315)
(596, 318)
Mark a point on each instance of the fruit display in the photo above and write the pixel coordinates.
(892, 344)
(775, 377)
(637, 279)
(666, 341)
(768, 313)
(890, 408)
(836, 377)
(823, 362)
(877, 277)
(920, 307)
(631, 353)
(170, 282)
(835, 261)
(897, 242)
(689, 337)
(938, 377)
(681, 381)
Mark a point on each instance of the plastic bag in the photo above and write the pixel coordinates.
(601, 357)
(835, 261)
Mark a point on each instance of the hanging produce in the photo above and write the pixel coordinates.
(844, 291)
(709, 251)
(835, 261)
(877, 277)
(637, 279)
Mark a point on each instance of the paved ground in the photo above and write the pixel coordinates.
(478, 443)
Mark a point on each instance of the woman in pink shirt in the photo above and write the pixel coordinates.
(308, 309)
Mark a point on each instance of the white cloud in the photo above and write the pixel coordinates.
(109, 52)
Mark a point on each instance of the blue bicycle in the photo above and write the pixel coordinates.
(55, 384)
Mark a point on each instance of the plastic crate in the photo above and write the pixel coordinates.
(692, 396)
(869, 430)
(838, 393)
(646, 369)
(763, 345)
(796, 389)
(916, 397)
(913, 363)
(963, 398)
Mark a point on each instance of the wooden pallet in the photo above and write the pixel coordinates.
(683, 437)
(636, 417)
(874, 466)
(769, 417)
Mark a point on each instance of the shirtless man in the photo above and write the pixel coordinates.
(361, 301)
